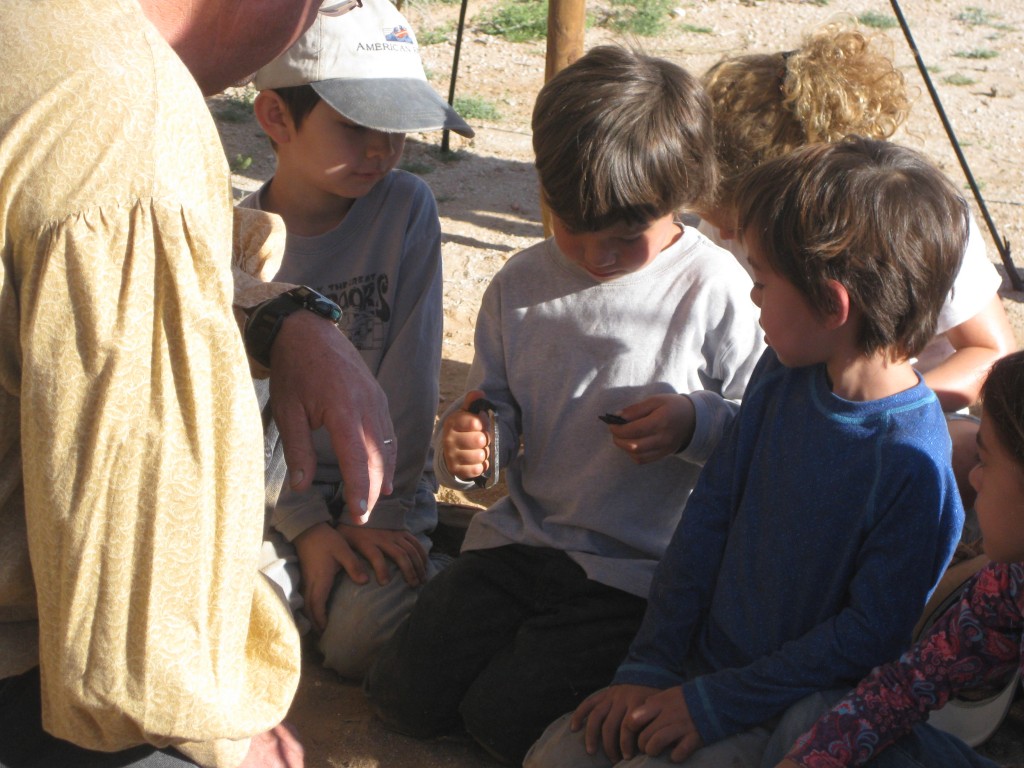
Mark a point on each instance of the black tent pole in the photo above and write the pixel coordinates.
(1002, 245)
(446, 135)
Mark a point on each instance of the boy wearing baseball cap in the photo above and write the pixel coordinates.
(336, 107)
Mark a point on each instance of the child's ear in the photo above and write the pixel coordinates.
(841, 301)
(273, 117)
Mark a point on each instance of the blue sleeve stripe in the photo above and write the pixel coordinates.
(646, 674)
(706, 712)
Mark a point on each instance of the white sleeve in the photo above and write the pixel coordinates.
(975, 285)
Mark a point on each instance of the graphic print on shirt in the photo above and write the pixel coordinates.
(398, 34)
(365, 310)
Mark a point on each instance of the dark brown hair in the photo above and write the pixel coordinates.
(620, 136)
(300, 100)
(1002, 396)
(878, 218)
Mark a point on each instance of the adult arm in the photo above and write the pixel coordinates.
(143, 480)
(139, 474)
(319, 378)
(975, 644)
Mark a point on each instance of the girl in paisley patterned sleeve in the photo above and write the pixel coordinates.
(976, 644)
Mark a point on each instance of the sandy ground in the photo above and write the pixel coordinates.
(486, 193)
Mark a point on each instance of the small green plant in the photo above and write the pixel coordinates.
(473, 108)
(241, 163)
(877, 20)
(975, 17)
(977, 53)
(979, 17)
(517, 21)
(958, 78)
(236, 107)
(432, 36)
(694, 29)
(645, 18)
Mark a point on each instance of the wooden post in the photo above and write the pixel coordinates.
(567, 21)
(566, 25)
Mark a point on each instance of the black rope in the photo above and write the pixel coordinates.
(446, 135)
(1002, 244)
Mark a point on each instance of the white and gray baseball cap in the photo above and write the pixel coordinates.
(366, 65)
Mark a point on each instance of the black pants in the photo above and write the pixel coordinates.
(24, 743)
(503, 642)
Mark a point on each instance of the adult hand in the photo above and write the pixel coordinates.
(323, 552)
(318, 379)
(464, 440)
(379, 545)
(604, 713)
(663, 721)
(277, 748)
(656, 427)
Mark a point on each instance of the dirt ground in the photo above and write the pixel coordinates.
(487, 197)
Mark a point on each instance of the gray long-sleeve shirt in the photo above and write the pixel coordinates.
(382, 265)
(555, 349)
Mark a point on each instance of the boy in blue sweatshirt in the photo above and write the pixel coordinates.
(821, 523)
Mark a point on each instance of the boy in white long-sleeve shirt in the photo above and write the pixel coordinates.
(625, 312)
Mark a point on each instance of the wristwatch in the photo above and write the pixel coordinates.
(263, 324)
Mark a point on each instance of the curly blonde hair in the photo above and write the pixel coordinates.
(837, 83)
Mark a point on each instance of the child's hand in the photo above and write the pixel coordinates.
(604, 713)
(663, 721)
(378, 545)
(656, 427)
(323, 552)
(464, 439)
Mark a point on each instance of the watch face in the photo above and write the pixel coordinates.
(327, 308)
(317, 303)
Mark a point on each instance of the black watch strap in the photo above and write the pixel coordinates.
(264, 323)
